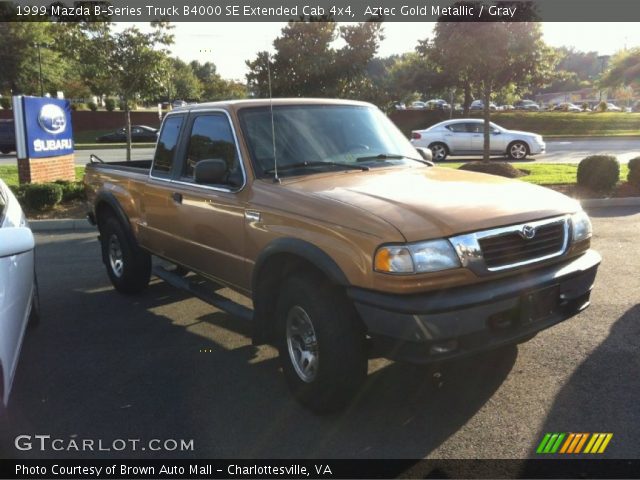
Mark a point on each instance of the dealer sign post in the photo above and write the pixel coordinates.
(44, 139)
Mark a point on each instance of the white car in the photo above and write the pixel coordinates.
(18, 286)
(466, 137)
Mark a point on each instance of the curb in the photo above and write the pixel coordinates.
(610, 202)
(65, 224)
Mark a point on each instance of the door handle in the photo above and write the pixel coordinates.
(176, 197)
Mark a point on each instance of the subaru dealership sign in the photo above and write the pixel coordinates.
(43, 127)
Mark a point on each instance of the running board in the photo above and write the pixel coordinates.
(203, 293)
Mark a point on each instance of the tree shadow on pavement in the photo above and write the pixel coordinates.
(602, 394)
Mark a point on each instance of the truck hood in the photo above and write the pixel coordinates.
(432, 202)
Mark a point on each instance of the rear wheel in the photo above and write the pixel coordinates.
(439, 151)
(322, 347)
(517, 150)
(128, 266)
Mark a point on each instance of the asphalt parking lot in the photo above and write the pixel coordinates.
(163, 365)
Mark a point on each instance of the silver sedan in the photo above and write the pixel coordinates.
(466, 137)
(18, 287)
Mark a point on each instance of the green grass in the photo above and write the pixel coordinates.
(571, 124)
(547, 173)
(9, 173)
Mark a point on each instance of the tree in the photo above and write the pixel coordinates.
(30, 56)
(306, 63)
(214, 87)
(129, 63)
(183, 83)
(624, 70)
(491, 56)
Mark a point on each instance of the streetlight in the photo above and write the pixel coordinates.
(38, 45)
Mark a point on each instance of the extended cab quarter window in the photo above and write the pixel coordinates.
(167, 144)
(211, 138)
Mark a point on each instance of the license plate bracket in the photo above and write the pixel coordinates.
(539, 304)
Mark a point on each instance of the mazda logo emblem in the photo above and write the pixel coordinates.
(528, 232)
(52, 119)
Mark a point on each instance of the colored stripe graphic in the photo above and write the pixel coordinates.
(573, 443)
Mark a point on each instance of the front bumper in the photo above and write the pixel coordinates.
(538, 148)
(441, 325)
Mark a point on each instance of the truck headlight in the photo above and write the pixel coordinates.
(422, 257)
(580, 227)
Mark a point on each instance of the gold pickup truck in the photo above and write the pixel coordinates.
(348, 243)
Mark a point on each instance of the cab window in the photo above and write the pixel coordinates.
(211, 138)
(167, 144)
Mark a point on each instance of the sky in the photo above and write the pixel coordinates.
(229, 44)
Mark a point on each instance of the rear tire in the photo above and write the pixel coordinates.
(128, 266)
(322, 345)
(439, 151)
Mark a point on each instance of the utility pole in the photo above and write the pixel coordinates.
(40, 70)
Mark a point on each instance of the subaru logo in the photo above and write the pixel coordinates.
(528, 232)
(52, 119)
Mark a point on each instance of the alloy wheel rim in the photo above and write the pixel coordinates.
(518, 150)
(438, 152)
(302, 344)
(116, 259)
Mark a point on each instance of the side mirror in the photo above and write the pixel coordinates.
(425, 153)
(210, 171)
(15, 240)
(497, 132)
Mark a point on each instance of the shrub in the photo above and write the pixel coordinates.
(92, 106)
(602, 106)
(584, 106)
(599, 173)
(71, 190)
(42, 196)
(5, 103)
(110, 104)
(502, 169)
(79, 106)
(633, 177)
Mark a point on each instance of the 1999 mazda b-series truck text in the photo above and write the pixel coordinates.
(348, 243)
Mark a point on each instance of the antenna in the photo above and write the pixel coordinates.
(276, 178)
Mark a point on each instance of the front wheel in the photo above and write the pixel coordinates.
(322, 345)
(518, 151)
(439, 151)
(128, 266)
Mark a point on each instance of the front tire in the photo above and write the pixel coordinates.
(322, 345)
(128, 266)
(439, 151)
(518, 150)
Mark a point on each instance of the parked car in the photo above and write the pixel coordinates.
(399, 106)
(139, 133)
(348, 245)
(418, 105)
(477, 105)
(466, 137)
(7, 136)
(612, 107)
(178, 103)
(18, 287)
(636, 107)
(527, 105)
(506, 107)
(437, 104)
(567, 107)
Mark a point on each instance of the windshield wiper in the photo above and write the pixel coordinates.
(293, 166)
(391, 156)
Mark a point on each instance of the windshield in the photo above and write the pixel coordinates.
(315, 138)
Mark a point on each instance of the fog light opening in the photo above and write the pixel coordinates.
(444, 347)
